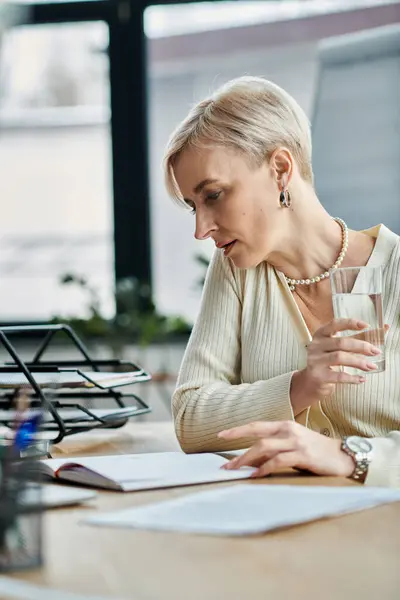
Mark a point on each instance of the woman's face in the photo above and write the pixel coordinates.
(235, 204)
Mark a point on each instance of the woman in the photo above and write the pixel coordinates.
(263, 365)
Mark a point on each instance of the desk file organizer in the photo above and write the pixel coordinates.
(61, 417)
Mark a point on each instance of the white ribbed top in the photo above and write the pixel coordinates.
(248, 340)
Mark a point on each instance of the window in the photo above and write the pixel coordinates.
(55, 157)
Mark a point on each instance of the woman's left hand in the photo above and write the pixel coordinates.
(283, 444)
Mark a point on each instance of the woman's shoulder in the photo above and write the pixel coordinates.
(386, 248)
(386, 233)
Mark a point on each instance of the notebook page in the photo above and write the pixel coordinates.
(159, 469)
(247, 508)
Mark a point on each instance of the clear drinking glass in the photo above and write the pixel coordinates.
(357, 294)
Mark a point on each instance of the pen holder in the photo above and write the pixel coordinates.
(20, 516)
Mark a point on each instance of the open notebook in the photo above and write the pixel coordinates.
(132, 472)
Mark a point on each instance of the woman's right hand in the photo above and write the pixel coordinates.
(325, 353)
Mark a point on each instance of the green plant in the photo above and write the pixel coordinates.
(136, 321)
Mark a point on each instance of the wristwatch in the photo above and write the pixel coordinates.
(360, 450)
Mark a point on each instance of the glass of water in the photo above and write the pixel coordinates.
(357, 294)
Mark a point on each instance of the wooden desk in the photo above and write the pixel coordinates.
(351, 557)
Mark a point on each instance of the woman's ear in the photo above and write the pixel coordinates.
(281, 163)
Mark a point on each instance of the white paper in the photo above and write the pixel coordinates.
(76, 414)
(65, 378)
(52, 496)
(247, 508)
(20, 590)
(155, 470)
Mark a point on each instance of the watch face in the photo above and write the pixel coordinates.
(358, 444)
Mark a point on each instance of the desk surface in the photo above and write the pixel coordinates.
(354, 556)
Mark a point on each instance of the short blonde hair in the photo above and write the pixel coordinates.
(249, 114)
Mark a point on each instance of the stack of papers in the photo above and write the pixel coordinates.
(76, 415)
(73, 379)
(247, 509)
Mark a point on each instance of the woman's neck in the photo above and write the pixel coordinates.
(310, 246)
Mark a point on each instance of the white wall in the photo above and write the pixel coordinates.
(356, 129)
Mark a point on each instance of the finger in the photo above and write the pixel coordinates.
(260, 452)
(278, 462)
(341, 325)
(347, 359)
(343, 377)
(349, 344)
(373, 336)
(231, 464)
(257, 429)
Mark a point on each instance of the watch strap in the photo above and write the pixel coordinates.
(361, 463)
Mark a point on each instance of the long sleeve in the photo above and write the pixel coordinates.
(210, 395)
(384, 469)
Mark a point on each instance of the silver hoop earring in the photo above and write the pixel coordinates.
(284, 199)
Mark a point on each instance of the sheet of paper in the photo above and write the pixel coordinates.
(52, 496)
(247, 508)
(78, 415)
(12, 588)
(72, 379)
(158, 469)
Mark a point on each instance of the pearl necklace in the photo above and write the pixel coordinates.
(345, 244)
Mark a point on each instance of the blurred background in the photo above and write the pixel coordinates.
(90, 92)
